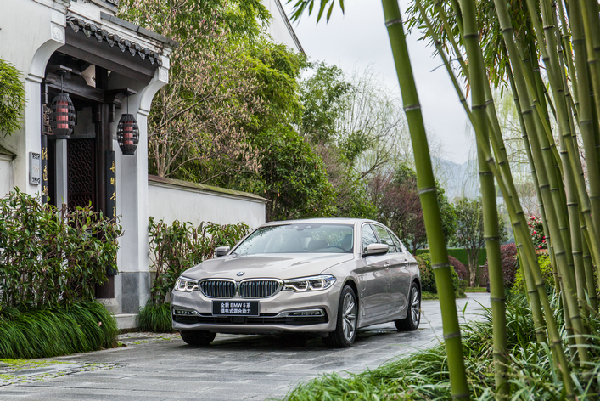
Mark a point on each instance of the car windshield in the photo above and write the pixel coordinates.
(299, 238)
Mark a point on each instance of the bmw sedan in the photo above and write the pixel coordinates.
(326, 276)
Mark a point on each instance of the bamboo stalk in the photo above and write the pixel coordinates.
(477, 79)
(587, 122)
(427, 194)
(478, 119)
(507, 33)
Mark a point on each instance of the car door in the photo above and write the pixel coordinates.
(396, 271)
(374, 279)
(402, 277)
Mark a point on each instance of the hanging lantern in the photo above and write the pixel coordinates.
(128, 134)
(62, 115)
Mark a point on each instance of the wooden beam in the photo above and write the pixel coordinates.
(110, 58)
(73, 87)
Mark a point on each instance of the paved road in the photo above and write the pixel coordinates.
(232, 368)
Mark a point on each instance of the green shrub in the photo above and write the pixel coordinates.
(12, 98)
(545, 267)
(428, 278)
(462, 287)
(52, 256)
(155, 317)
(177, 247)
(58, 330)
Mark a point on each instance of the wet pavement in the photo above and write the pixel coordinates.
(162, 367)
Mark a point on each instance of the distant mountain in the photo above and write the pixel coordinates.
(459, 180)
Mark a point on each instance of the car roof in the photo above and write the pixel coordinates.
(322, 220)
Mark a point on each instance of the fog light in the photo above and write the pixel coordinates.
(182, 312)
(312, 312)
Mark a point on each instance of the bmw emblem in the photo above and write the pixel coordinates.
(240, 273)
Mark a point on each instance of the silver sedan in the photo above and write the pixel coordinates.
(327, 276)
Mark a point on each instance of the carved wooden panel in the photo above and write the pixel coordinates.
(81, 167)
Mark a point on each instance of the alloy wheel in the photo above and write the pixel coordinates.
(349, 316)
(415, 306)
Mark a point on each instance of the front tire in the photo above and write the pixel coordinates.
(413, 314)
(197, 338)
(345, 329)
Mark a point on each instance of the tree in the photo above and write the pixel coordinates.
(295, 180)
(12, 98)
(397, 200)
(226, 117)
(322, 97)
(199, 116)
(355, 126)
(470, 233)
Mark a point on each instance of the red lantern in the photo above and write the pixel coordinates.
(62, 113)
(62, 116)
(128, 134)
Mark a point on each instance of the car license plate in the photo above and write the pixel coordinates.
(235, 308)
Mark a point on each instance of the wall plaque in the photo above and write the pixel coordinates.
(35, 168)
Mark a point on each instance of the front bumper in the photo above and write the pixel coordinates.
(278, 314)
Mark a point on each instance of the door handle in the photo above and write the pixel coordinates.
(386, 265)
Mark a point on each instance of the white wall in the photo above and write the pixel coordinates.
(31, 31)
(280, 29)
(6, 175)
(172, 200)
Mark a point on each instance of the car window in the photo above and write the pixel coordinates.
(399, 246)
(368, 236)
(385, 238)
(298, 238)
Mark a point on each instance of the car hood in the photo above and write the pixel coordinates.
(281, 266)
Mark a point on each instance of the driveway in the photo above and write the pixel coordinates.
(162, 367)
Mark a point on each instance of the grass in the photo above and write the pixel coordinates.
(428, 296)
(53, 331)
(156, 318)
(475, 289)
(424, 374)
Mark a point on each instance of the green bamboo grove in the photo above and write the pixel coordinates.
(546, 54)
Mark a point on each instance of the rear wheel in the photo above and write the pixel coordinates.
(197, 338)
(413, 314)
(345, 330)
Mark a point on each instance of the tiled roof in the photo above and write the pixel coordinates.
(92, 30)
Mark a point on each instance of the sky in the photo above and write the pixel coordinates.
(358, 40)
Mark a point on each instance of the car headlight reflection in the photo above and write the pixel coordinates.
(313, 283)
(186, 284)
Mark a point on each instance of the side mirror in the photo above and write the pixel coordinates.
(376, 249)
(222, 251)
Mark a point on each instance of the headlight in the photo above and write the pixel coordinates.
(186, 284)
(313, 283)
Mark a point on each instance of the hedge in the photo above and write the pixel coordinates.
(460, 254)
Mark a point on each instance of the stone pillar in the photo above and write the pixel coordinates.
(62, 185)
(133, 281)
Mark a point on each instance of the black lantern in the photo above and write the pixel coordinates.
(62, 114)
(128, 133)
